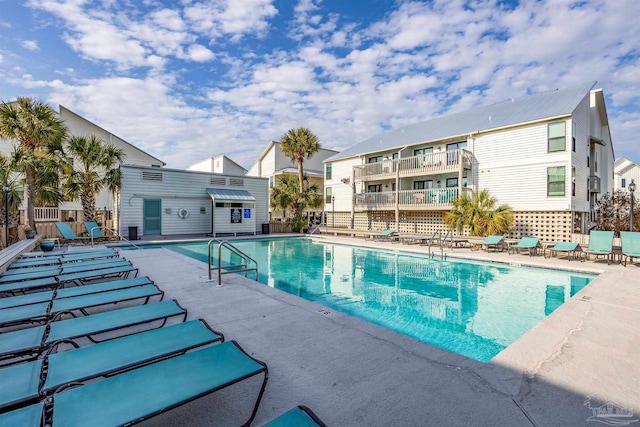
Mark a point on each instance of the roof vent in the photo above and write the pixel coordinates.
(151, 176)
(236, 182)
(218, 180)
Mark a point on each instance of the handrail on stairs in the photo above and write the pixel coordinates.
(244, 265)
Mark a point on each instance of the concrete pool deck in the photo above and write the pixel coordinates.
(353, 373)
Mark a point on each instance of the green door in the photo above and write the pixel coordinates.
(151, 212)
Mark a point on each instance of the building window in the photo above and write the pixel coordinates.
(573, 136)
(573, 181)
(374, 188)
(374, 159)
(421, 185)
(555, 181)
(624, 183)
(595, 161)
(556, 136)
(327, 174)
(327, 195)
(452, 182)
(272, 181)
(395, 156)
(419, 151)
(452, 157)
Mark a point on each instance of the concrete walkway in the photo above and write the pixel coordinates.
(354, 373)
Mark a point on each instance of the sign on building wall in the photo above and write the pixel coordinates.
(247, 213)
(236, 216)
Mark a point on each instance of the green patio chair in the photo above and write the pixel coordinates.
(570, 248)
(95, 232)
(630, 245)
(17, 275)
(69, 236)
(13, 288)
(43, 296)
(158, 387)
(600, 244)
(300, 416)
(384, 235)
(495, 242)
(529, 244)
(25, 315)
(27, 416)
(24, 343)
(26, 382)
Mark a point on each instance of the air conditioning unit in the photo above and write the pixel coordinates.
(594, 184)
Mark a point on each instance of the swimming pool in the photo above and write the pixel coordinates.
(472, 308)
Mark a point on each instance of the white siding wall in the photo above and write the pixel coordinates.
(203, 166)
(512, 165)
(341, 169)
(182, 189)
(581, 117)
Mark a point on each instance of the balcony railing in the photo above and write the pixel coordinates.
(47, 214)
(432, 198)
(423, 164)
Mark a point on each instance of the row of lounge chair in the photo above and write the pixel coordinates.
(600, 244)
(51, 374)
(94, 233)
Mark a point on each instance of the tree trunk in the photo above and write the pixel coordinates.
(300, 175)
(29, 198)
(88, 206)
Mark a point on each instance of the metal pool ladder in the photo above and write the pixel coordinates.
(235, 268)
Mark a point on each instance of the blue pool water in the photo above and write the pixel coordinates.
(472, 308)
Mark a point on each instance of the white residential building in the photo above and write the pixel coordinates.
(220, 164)
(273, 163)
(624, 172)
(548, 156)
(79, 126)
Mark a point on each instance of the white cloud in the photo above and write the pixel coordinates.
(31, 45)
(347, 80)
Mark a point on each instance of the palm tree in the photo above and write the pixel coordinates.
(298, 145)
(480, 214)
(95, 166)
(8, 173)
(39, 131)
(285, 196)
(284, 193)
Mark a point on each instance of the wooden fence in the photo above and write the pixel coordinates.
(279, 227)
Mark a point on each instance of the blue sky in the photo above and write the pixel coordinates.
(191, 79)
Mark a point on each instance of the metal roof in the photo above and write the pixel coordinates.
(529, 108)
(219, 194)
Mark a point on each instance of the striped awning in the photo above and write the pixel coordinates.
(226, 195)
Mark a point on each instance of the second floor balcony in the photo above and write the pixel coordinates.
(427, 199)
(420, 165)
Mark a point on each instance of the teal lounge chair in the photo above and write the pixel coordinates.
(411, 238)
(27, 416)
(529, 244)
(630, 245)
(600, 244)
(69, 236)
(26, 315)
(95, 232)
(30, 342)
(156, 388)
(384, 235)
(27, 382)
(62, 259)
(570, 248)
(52, 271)
(495, 242)
(45, 296)
(300, 416)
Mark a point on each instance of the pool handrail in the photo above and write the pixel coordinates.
(230, 247)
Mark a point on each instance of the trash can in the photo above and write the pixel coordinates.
(133, 233)
(265, 228)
